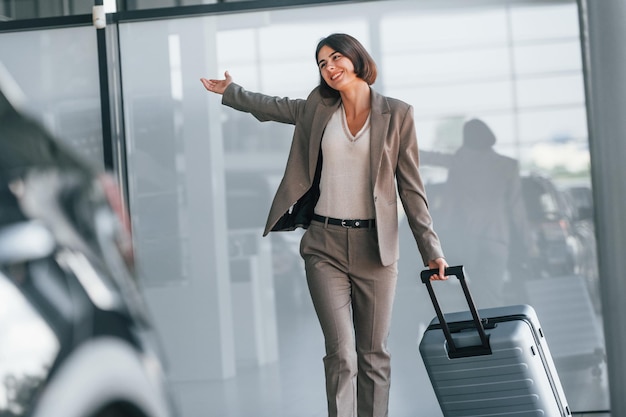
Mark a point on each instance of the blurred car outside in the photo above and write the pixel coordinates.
(558, 248)
(581, 200)
(75, 335)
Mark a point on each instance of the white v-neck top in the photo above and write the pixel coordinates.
(346, 181)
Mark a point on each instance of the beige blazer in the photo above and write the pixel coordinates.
(394, 162)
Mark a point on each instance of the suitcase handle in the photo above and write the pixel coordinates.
(453, 350)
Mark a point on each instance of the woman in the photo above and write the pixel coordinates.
(348, 204)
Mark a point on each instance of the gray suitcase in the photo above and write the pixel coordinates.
(490, 362)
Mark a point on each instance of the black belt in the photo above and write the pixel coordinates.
(349, 224)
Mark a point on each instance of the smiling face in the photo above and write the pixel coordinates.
(343, 62)
(335, 68)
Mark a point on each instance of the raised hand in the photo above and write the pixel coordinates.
(217, 86)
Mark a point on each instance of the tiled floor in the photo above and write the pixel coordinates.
(294, 386)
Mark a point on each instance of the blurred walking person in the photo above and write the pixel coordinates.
(481, 212)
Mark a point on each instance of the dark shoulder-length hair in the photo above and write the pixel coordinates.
(348, 46)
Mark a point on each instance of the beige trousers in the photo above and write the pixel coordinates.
(353, 297)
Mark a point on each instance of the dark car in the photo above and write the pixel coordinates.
(551, 220)
(75, 336)
(581, 200)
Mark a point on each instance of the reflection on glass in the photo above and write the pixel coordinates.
(56, 71)
(28, 348)
(20, 9)
(481, 60)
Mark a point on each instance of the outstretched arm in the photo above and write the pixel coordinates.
(263, 107)
(217, 86)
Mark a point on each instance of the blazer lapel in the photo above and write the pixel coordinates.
(379, 125)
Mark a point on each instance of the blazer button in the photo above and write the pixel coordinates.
(375, 199)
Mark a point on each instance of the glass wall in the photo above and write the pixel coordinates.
(34, 9)
(55, 74)
(194, 165)
(31, 9)
(234, 307)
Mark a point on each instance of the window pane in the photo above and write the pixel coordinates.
(413, 29)
(544, 22)
(448, 66)
(448, 98)
(548, 57)
(516, 68)
(551, 91)
(56, 72)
